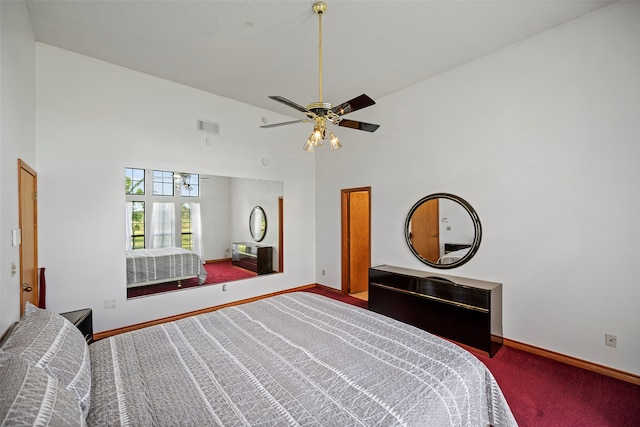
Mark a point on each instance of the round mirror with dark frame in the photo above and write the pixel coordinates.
(258, 223)
(443, 230)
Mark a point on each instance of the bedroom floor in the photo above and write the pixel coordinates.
(361, 295)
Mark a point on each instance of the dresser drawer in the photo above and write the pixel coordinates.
(465, 310)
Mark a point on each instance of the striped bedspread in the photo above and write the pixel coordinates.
(147, 266)
(292, 359)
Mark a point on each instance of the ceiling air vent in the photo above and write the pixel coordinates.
(209, 127)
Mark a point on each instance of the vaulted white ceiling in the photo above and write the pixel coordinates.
(248, 50)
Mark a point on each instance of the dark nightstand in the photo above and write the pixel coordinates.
(83, 320)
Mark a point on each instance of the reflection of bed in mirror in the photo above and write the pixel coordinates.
(454, 252)
(151, 266)
(454, 256)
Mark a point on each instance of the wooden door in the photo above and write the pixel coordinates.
(425, 230)
(28, 220)
(356, 239)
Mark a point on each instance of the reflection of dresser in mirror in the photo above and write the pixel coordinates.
(451, 247)
(252, 257)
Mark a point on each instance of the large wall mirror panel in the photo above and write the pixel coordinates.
(171, 215)
(443, 230)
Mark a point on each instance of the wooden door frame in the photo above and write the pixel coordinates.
(28, 169)
(280, 234)
(344, 237)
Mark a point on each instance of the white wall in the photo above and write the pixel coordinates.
(17, 140)
(216, 216)
(247, 194)
(93, 119)
(542, 138)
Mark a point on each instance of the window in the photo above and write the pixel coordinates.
(137, 225)
(134, 181)
(134, 184)
(186, 228)
(162, 225)
(163, 217)
(191, 186)
(162, 183)
(191, 228)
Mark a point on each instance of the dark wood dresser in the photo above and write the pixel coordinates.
(464, 310)
(252, 257)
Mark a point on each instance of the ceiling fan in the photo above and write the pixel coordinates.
(181, 179)
(186, 179)
(322, 112)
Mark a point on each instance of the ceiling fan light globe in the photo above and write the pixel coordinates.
(334, 141)
(308, 146)
(317, 136)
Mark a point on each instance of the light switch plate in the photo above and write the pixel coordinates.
(15, 237)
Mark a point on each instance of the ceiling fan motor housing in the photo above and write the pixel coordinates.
(323, 109)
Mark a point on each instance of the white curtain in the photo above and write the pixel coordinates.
(128, 225)
(163, 220)
(196, 232)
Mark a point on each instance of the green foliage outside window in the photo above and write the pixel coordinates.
(134, 181)
(186, 230)
(137, 225)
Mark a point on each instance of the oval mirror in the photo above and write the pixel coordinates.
(443, 230)
(258, 224)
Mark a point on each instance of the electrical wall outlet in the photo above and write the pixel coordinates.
(610, 340)
(109, 304)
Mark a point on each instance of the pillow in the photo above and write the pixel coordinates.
(31, 397)
(52, 343)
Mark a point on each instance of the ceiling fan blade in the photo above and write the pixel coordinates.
(369, 127)
(291, 104)
(284, 123)
(357, 103)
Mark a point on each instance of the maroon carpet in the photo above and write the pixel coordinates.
(339, 296)
(542, 392)
(217, 272)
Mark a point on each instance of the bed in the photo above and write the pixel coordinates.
(151, 266)
(293, 359)
(453, 256)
